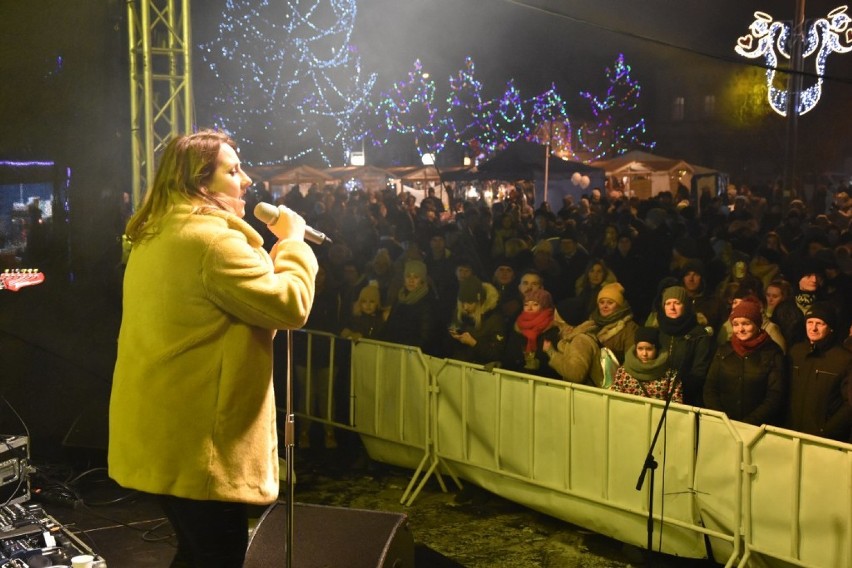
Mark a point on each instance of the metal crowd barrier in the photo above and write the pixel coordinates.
(799, 499)
(576, 452)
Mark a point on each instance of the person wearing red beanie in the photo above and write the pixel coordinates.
(746, 379)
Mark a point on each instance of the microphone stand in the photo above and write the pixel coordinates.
(289, 452)
(650, 465)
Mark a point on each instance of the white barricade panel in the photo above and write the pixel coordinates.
(390, 386)
(479, 416)
(719, 477)
(516, 432)
(826, 505)
(632, 425)
(588, 443)
(450, 434)
(801, 499)
(774, 489)
(568, 454)
(365, 376)
(551, 441)
(629, 443)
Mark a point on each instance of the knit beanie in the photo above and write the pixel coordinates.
(541, 296)
(648, 335)
(504, 261)
(470, 290)
(676, 293)
(370, 292)
(823, 311)
(693, 265)
(417, 267)
(748, 308)
(613, 291)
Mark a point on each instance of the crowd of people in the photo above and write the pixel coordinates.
(738, 302)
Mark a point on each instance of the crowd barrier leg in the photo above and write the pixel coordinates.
(435, 462)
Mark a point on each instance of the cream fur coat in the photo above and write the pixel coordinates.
(192, 411)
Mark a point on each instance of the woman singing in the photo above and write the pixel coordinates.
(192, 411)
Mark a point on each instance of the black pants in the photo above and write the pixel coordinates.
(210, 534)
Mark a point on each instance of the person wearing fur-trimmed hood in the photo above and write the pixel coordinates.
(477, 333)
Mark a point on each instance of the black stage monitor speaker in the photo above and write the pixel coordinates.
(331, 537)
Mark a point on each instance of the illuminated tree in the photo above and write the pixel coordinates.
(481, 126)
(288, 79)
(504, 121)
(465, 107)
(617, 129)
(550, 123)
(409, 108)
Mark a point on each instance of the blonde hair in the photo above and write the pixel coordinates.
(368, 292)
(476, 316)
(187, 163)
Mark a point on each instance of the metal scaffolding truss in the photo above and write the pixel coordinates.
(161, 101)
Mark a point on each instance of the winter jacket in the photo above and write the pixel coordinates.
(690, 355)
(577, 356)
(192, 410)
(490, 336)
(413, 324)
(817, 403)
(750, 389)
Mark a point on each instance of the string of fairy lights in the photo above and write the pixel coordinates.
(285, 66)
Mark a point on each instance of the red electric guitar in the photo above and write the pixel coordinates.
(19, 278)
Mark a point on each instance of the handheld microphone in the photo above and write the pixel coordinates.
(269, 214)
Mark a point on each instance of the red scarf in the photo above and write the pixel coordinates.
(748, 346)
(531, 324)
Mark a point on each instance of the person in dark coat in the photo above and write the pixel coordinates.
(781, 308)
(586, 287)
(511, 300)
(573, 258)
(819, 367)
(629, 269)
(412, 320)
(367, 318)
(746, 380)
(477, 332)
(689, 344)
(708, 307)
